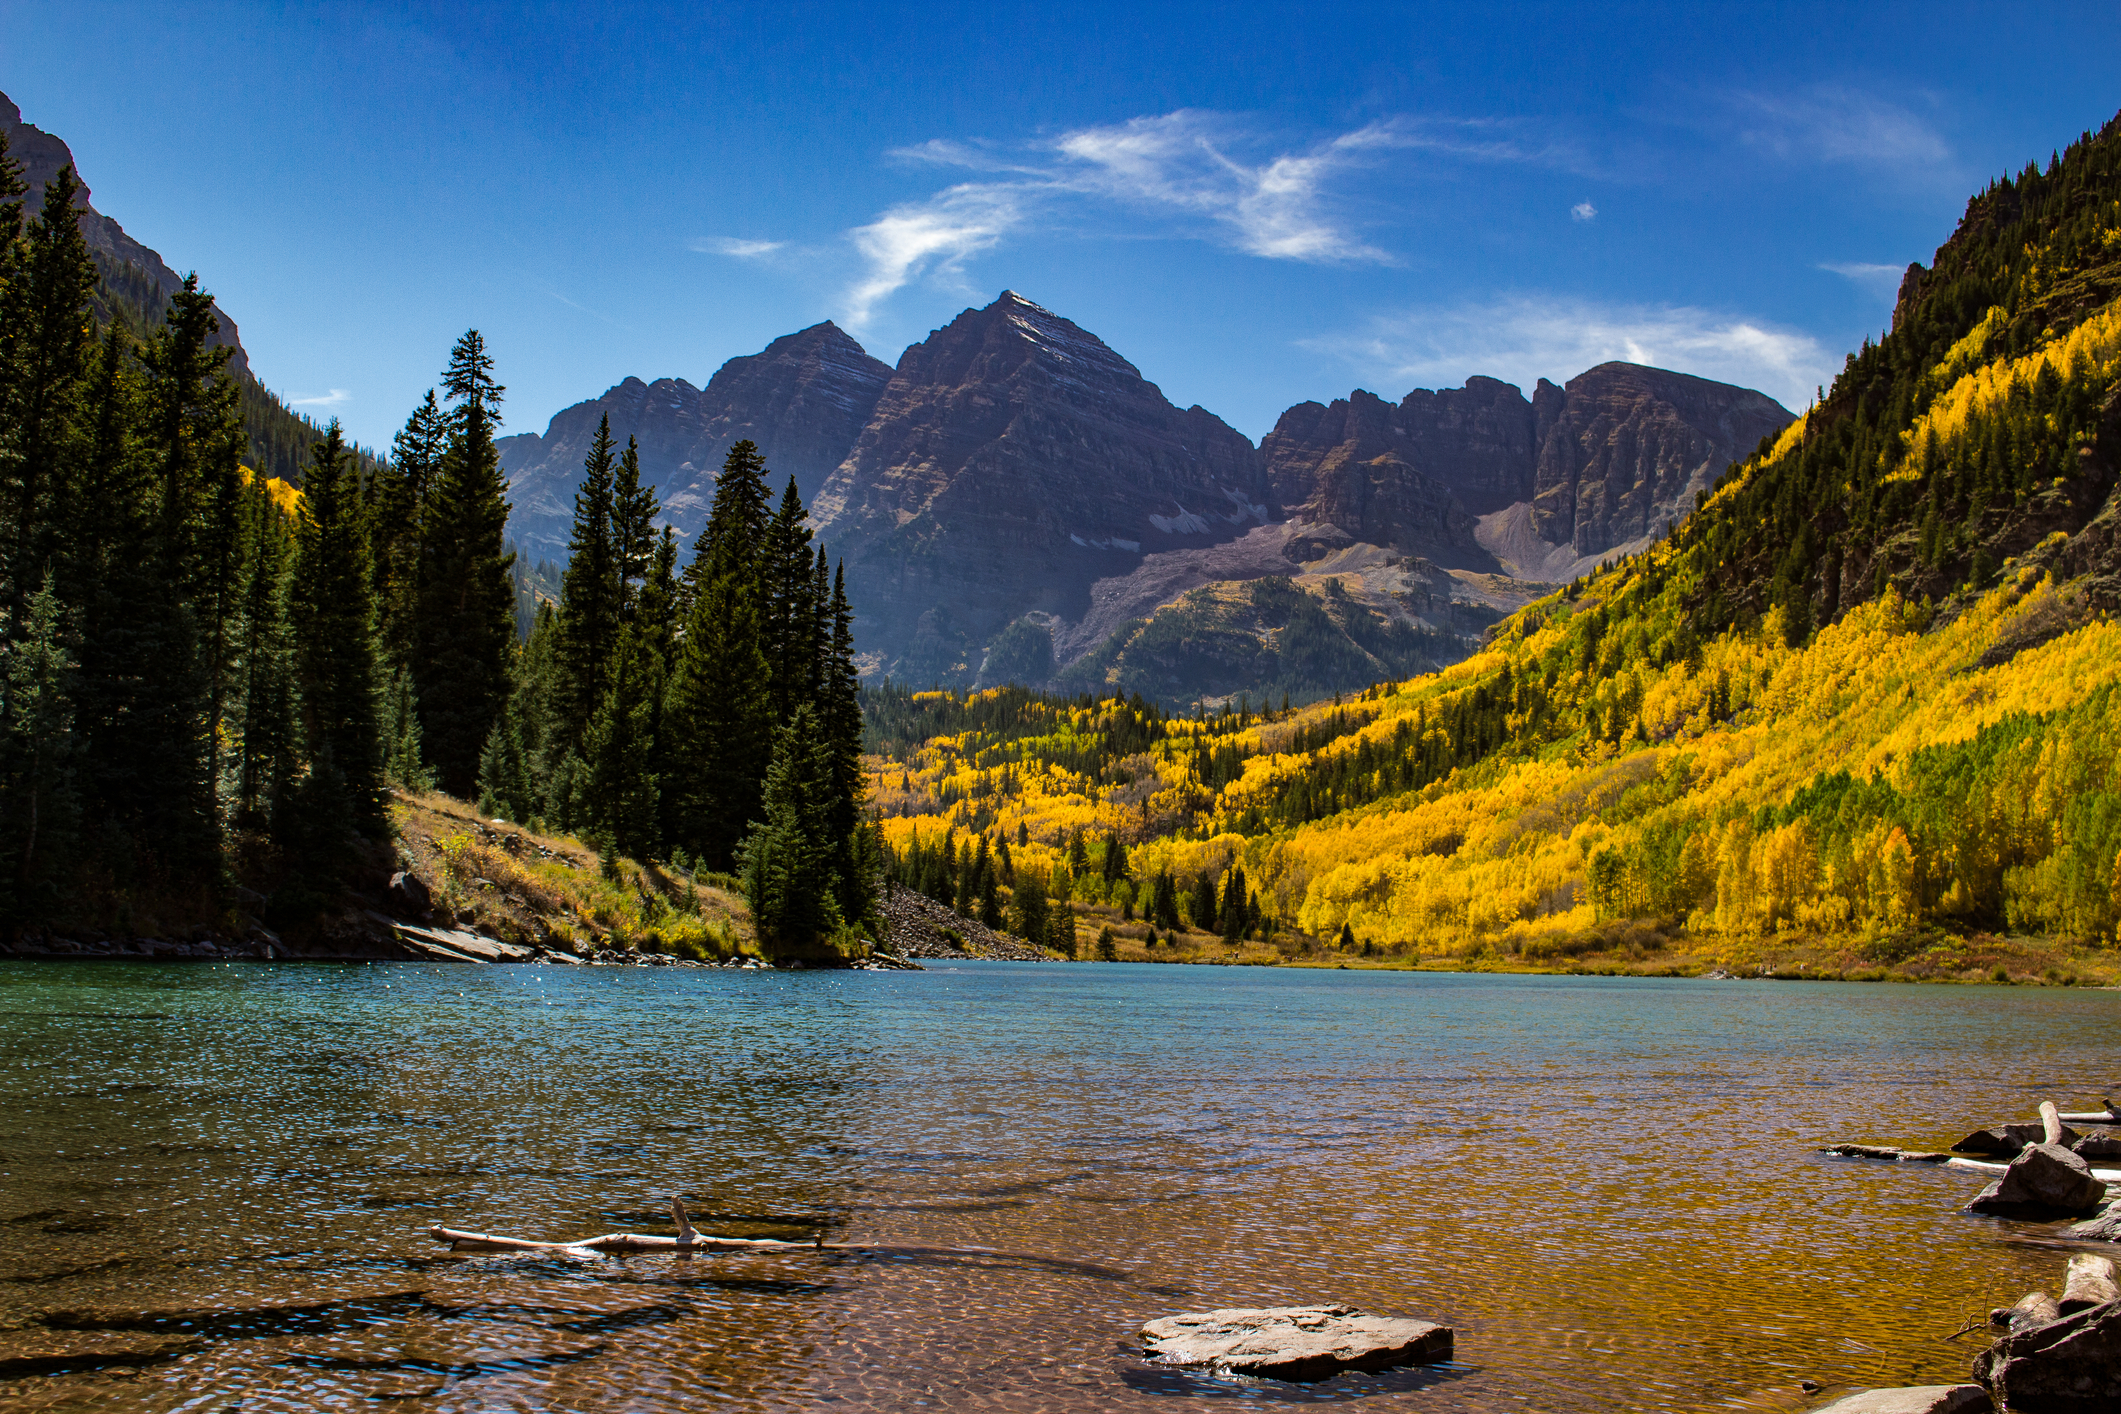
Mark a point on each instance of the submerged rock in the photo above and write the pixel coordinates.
(2045, 1180)
(1294, 1342)
(2070, 1366)
(1920, 1399)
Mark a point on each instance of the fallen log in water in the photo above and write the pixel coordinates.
(689, 1239)
(2105, 1116)
(1984, 1166)
(1880, 1151)
(2090, 1283)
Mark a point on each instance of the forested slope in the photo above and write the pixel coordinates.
(1867, 689)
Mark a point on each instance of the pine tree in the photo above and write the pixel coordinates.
(466, 624)
(620, 752)
(1235, 914)
(47, 347)
(735, 533)
(786, 857)
(1028, 912)
(589, 595)
(334, 621)
(1204, 914)
(840, 712)
(39, 809)
(397, 507)
(268, 748)
(718, 722)
(404, 764)
(790, 608)
(633, 537)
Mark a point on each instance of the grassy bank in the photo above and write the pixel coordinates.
(554, 890)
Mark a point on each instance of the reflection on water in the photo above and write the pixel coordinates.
(214, 1180)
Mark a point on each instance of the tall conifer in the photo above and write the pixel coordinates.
(589, 594)
(335, 632)
(467, 623)
(44, 308)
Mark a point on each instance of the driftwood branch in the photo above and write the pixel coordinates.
(2105, 1116)
(690, 1239)
(2050, 1122)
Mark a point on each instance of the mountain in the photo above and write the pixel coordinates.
(1012, 462)
(1015, 500)
(123, 260)
(804, 400)
(135, 289)
(1859, 712)
(1482, 477)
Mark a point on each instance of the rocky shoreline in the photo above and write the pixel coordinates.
(916, 926)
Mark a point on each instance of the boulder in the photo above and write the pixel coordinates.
(409, 895)
(2070, 1366)
(2103, 1145)
(2004, 1140)
(2105, 1227)
(1294, 1342)
(1921, 1399)
(2044, 1181)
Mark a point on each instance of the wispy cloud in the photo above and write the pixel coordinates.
(332, 399)
(1833, 124)
(1204, 175)
(1182, 162)
(1878, 279)
(933, 236)
(731, 245)
(1523, 339)
(1583, 211)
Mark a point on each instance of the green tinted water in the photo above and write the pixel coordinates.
(213, 1182)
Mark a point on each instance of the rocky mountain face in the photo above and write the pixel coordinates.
(1589, 469)
(1013, 462)
(1015, 501)
(804, 400)
(123, 260)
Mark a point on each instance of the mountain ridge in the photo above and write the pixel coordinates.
(1012, 473)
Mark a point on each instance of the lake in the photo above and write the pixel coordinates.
(214, 1181)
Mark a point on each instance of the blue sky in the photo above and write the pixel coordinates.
(1254, 204)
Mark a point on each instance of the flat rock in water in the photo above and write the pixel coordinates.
(2045, 1180)
(1921, 1399)
(2070, 1366)
(1294, 1342)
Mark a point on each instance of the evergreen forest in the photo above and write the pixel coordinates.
(217, 662)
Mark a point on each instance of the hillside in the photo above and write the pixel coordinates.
(1864, 699)
(134, 287)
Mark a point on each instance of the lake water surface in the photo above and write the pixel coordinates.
(214, 1180)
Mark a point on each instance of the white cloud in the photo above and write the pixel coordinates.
(1182, 162)
(934, 236)
(1200, 171)
(1583, 211)
(1523, 339)
(332, 399)
(1832, 124)
(730, 245)
(1878, 279)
